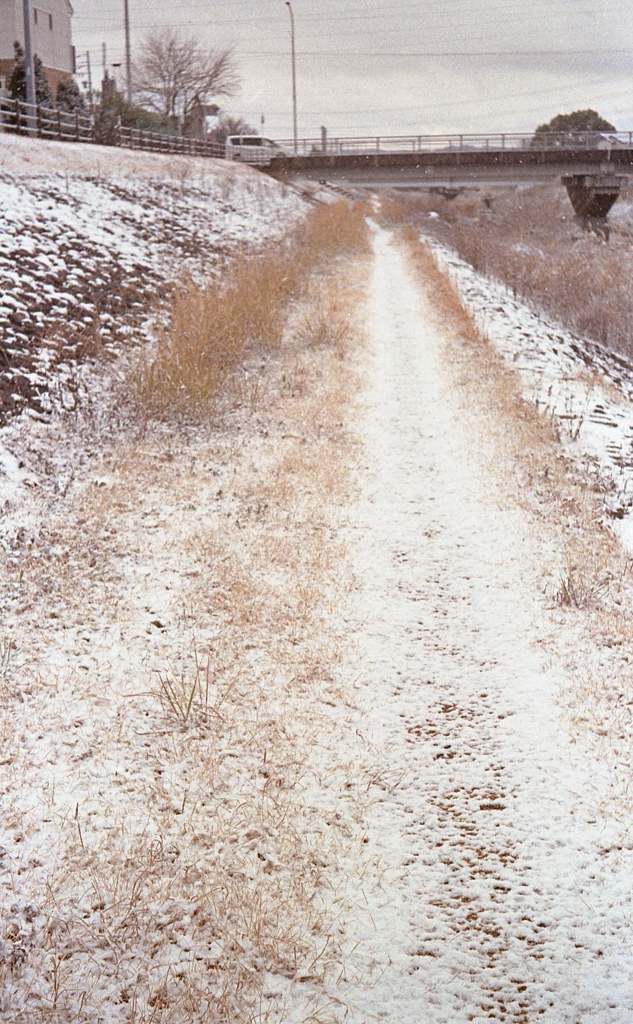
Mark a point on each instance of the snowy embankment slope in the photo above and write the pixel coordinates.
(92, 239)
(581, 386)
(91, 235)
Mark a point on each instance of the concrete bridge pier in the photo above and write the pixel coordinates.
(592, 196)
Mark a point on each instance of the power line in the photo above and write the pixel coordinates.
(436, 53)
(446, 104)
(396, 54)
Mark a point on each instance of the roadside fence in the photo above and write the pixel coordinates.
(51, 123)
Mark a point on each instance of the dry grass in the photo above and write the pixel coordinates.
(193, 874)
(335, 230)
(209, 330)
(328, 320)
(528, 239)
(213, 329)
(582, 586)
(394, 211)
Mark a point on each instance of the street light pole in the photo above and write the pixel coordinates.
(294, 73)
(128, 57)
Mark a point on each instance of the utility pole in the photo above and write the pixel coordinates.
(128, 52)
(29, 72)
(294, 73)
(89, 80)
(104, 61)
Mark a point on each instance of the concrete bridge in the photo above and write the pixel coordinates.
(418, 162)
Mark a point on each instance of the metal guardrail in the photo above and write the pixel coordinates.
(457, 143)
(51, 123)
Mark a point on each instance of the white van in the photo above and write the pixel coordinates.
(252, 149)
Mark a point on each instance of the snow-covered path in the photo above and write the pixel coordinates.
(496, 903)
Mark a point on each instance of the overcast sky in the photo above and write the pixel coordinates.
(397, 66)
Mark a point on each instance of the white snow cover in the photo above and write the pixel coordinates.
(584, 388)
(498, 899)
(90, 236)
(493, 885)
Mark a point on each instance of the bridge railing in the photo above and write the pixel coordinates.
(461, 143)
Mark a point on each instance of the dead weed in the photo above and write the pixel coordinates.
(195, 875)
(212, 329)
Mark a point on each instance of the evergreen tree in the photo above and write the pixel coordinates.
(17, 79)
(578, 121)
(114, 109)
(69, 97)
(562, 130)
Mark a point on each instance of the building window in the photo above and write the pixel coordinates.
(35, 15)
(50, 22)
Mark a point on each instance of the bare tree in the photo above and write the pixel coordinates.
(174, 73)
(228, 125)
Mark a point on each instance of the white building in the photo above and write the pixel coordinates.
(50, 32)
